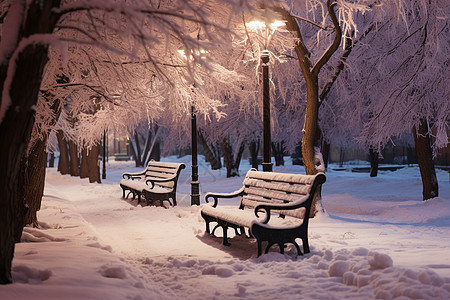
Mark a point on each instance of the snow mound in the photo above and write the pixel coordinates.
(35, 235)
(380, 261)
(388, 282)
(338, 268)
(108, 271)
(98, 245)
(25, 274)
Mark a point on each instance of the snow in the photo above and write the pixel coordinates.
(377, 239)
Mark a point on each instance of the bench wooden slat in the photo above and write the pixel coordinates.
(285, 187)
(251, 201)
(155, 169)
(158, 175)
(274, 195)
(281, 177)
(164, 164)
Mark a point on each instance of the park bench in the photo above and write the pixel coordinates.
(157, 182)
(274, 208)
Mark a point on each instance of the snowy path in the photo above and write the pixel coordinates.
(97, 245)
(168, 247)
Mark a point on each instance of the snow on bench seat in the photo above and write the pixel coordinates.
(246, 217)
(140, 185)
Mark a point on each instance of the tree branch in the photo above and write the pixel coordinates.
(312, 23)
(302, 52)
(349, 44)
(87, 86)
(333, 47)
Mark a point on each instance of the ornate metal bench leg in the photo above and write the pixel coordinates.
(259, 247)
(207, 227)
(299, 252)
(225, 236)
(305, 245)
(214, 229)
(268, 247)
(242, 231)
(174, 199)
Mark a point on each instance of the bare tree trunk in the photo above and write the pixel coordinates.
(35, 181)
(228, 157)
(373, 156)
(254, 149)
(94, 166)
(326, 153)
(136, 157)
(84, 166)
(74, 159)
(51, 161)
(211, 156)
(137, 152)
(422, 143)
(237, 161)
(278, 153)
(156, 152)
(227, 151)
(148, 145)
(35, 175)
(63, 163)
(310, 128)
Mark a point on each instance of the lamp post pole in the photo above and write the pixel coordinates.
(267, 161)
(104, 155)
(195, 189)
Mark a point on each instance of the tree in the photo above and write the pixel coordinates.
(21, 59)
(310, 73)
(24, 53)
(398, 80)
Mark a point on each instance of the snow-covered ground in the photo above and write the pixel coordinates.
(378, 239)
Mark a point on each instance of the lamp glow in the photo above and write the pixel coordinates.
(259, 25)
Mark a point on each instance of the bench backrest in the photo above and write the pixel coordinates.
(276, 188)
(164, 170)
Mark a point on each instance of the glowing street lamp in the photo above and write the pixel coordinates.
(265, 31)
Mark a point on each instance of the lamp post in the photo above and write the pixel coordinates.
(265, 31)
(267, 155)
(195, 184)
(104, 155)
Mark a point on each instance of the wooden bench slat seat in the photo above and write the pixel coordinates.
(157, 182)
(274, 207)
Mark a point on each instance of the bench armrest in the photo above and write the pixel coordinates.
(282, 206)
(217, 196)
(155, 180)
(133, 176)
